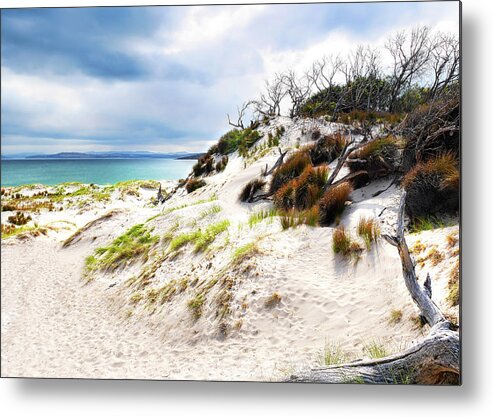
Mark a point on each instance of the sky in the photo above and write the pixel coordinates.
(164, 78)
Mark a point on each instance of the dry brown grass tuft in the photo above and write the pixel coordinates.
(453, 284)
(327, 148)
(290, 169)
(302, 192)
(333, 202)
(342, 243)
(273, 300)
(369, 230)
(452, 239)
(250, 189)
(433, 186)
(444, 166)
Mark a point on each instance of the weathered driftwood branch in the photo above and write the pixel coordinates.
(428, 308)
(278, 163)
(434, 360)
(348, 149)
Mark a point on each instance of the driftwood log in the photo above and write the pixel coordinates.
(434, 360)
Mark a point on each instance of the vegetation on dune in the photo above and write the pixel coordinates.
(332, 354)
(201, 238)
(237, 140)
(134, 244)
(375, 350)
(379, 158)
(369, 230)
(303, 192)
(333, 203)
(258, 216)
(194, 184)
(273, 300)
(244, 252)
(453, 296)
(250, 189)
(19, 219)
(290, 169)
(433, 186)
(294, 218)
(395, 316)
(326, 148)
(343, 244)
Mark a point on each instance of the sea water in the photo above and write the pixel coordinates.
(90, 171)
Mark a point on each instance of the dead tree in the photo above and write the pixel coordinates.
(410, 55)
(434, 360)
(241, 114)
(298, 90)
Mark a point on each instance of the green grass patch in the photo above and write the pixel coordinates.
(244, 252)
(332, 354)
(421, 224)
(202, 238)
(136, 242)
(261, 215)
(375, 350)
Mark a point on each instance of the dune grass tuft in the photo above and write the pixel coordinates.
(249, 190)
(343, 244)
(395, 316)
(332, 354)
(133, 244)
(244, 252)
(258, 216)
(290, 169)
(375, 350)
(333, 203)
(369, 230)
(202, 238)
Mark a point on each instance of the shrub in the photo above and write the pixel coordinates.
(369, 230)
(304, 191)
(432, 187)
(327, 148)
(379, 158)
(341, 242)
(426, 121)
(250, 189)
(194, 184)
(204, 165)
(290, 169)
(240, 140)
(220, 165)
(333, 202)
(19, 219)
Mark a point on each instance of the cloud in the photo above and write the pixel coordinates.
(163, 78)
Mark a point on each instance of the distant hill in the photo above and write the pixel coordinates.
(117, 155)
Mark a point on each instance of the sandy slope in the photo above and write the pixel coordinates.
(54, 326)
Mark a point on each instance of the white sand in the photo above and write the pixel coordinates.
(55, 326)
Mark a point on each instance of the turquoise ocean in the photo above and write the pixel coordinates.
(91, 171)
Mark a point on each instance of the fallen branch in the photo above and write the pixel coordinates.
(434, 360)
